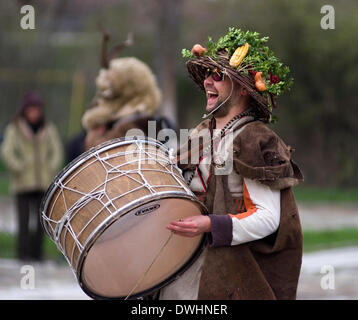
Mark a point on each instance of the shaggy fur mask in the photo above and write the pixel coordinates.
(128, 86)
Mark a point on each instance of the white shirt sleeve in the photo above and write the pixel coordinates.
(262, 215)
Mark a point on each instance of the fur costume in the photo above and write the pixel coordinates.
(127, 87)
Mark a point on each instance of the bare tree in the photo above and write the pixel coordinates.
(168, 21)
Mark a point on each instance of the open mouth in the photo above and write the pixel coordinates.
(211, 96)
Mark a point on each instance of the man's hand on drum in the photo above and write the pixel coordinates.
(191, 226)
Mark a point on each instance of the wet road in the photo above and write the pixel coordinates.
(329, 274)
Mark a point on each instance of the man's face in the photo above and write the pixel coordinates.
(219, 90)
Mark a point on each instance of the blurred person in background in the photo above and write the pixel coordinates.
(75, 146)
(33, 152)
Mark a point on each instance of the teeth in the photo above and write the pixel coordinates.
(210, 93)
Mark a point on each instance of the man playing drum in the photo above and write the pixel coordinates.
(244, 176)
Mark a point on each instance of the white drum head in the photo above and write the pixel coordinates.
(136, 254)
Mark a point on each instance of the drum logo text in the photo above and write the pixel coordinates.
(147, 210)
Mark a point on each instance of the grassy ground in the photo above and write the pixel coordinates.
(8, 248)
(327, 239)
(4, 184)
(325, 195)
(303, 193)
(312, 241)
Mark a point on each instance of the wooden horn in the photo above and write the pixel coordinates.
(128, 42)
(105, 39)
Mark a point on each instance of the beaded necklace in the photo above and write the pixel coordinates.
(246, 113)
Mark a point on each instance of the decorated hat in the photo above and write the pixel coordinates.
(246, 59)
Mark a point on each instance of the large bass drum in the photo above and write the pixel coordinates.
(107, 212)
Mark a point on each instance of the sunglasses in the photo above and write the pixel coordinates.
(215, 74)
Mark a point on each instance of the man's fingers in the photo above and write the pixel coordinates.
(190, 227)
(182, 229)
(183, 224)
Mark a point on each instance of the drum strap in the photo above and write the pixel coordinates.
(150, 266)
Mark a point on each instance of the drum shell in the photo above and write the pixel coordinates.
(74, 220)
